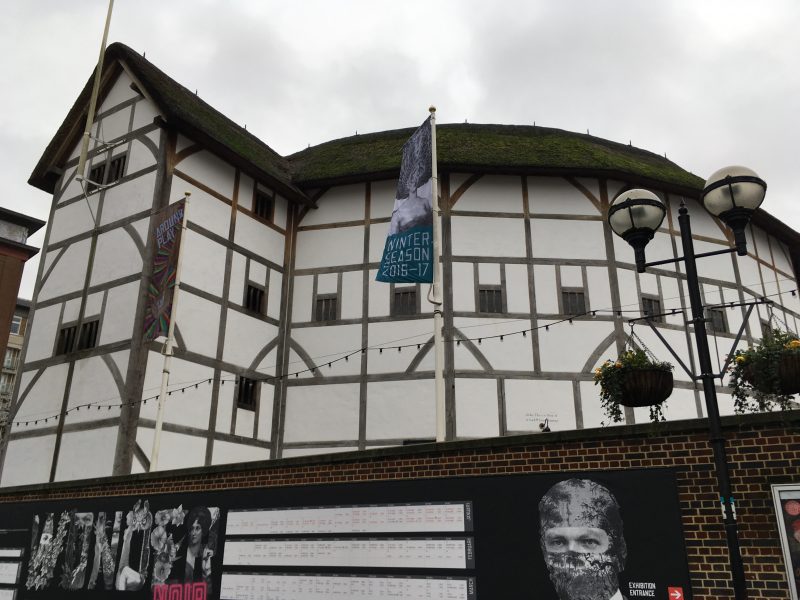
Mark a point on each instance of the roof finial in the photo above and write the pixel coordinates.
(432, 108)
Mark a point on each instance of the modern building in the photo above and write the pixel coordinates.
(286, 344)
(11, 359)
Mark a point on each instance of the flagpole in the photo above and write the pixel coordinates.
(438, 321)
(162, 395)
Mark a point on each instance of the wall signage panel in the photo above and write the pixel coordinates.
(787, 509)
(540, 536)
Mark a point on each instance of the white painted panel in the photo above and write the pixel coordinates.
(648, 284)
(86, 454)
(567, 347)
(274, 294)
(381, 201)
(554, 195)
(244, 422)
(593, 415)
(246, 187)
(463, 357)
(530, 402)
(322, 413)
(120, 91)
(120, 312)
(116, 256)
(401, 409)
(144, 114)
(391, 335)
(264, 431)
(258, 272)
(377, 240)
(679, 406)
(330, 247)
(128, 198)
(72, 219)
(178, 451)
(327, 283)
(203, 264)
(140, 157)
(226, 453)
(72, 310)
(571, 276)
(268, 363)
(183, 142)
(209, 170)
(629, 299)
(513, 353)
(245, 337)
(28, 461)
(488, 236)
(463, 286)
(352, 295)
(280, 216)
(671, 294)
(659, 248)
(476, 408)
(489, 273)
(328, 343)
(567, 239)
(42, 333)
(198, 322)
(781, 256)
(290, 452)
(715, 267)
(517, 299)
(676, 339)
(338, 204)
(115, 125)
(237, 282)
(191, 406)
(70, 187)
(43, 398)
(599, 288)
(68, 275)
(492, 194)
(225, 403)
(205, 210)
(302, 297)
(92, 383)
(94, 303)
(378, 297)
(544, 281)
(258, 238)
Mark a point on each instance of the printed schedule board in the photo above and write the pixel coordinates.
(536, 536)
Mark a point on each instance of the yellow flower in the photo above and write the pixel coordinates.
(618, 364)
(740, 359)
(793, 344)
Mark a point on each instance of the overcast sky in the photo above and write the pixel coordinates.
(708, 83)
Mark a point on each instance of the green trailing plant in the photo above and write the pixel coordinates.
(612, 375)
(756, 378)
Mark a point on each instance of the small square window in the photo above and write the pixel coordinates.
(88, 337)
(651, 307)
(573, 302)
(404, 302)
(116, 170)
(716, 320)
(96, 177)
(490, 299)
(254, 299)
(12, 358)
(247, 393)
(326, 307)
(263, 205)
(16, 325)
(66, 339)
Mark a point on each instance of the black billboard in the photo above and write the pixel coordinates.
(572, 536)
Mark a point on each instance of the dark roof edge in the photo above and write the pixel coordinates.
(32, 224)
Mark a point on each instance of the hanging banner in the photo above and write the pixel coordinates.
(787, 510)
(167, 238)
(409, 245)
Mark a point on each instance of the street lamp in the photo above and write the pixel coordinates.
(732, 194)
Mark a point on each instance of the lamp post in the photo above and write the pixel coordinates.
(732, 194)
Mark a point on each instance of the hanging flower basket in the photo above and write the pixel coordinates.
(767, 375)
(633, 380)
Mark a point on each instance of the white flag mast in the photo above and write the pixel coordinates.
(438, 321)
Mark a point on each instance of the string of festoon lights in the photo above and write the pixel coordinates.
(390, 346)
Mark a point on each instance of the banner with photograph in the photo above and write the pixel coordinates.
(407, 255)
(166, 237)
(787, 509)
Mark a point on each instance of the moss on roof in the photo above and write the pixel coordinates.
(493, 148)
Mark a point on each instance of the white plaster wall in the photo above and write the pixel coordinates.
(203, 264)
(128, 198)
(781, 256)
(119, 92)
(463, 283)
(190, 407)
(488, 236)
(599, 288)
(513, 353)
(302, 309)
(198, 322)
(552, 238)
(225, 402)
(476, 408)
(280, 216)
(377, 240)
(492, 194)
(245, 337)
(463, 358)
(113, 126)
(517, 299)
(204, 209)
(352, 294)
(381, 202)
(591, 409)
(72, 309)
(28, 461)
(92, 382)
(330, 247)
(211, 171)
(120, 312)
(144, 113)
(43, 399)
(274, 294)
(86, 454)
(139, 157)
(72, 220)
(713, 267)
(246, 187)
(42, 333)
(259, 238)
(378, 297)
(327, 343)
(116, 255)
(337, 205)
(555, 195)
(322, 413)
(672, 299)
(290, 452)
(183, 142)
(629, 300)
(69, 274)
(178, 451)
(544, 281)
(237, 282)
(567, 347)
(227, 453)
(245, 420)
(69, 186)
(391, 335)
(530, 402)
(401, 409)
(679, 406)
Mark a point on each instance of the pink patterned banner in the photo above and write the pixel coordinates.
(160, 291)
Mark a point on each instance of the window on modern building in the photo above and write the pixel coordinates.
(247, 393)
(11, 360)
(264, 205)
(254, 299)
(88, 337)
(326, 307)
(16, 325)
(66, 339)
(573, 302)
(6, 383)
(116, 170)
(651, 307)
(404, 302)
(96, 176)
(716, 320)
(490, 299)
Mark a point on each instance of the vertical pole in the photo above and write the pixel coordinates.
(162, 394)
(438, 321)
(712, 409)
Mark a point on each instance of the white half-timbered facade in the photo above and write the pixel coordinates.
(285, 343)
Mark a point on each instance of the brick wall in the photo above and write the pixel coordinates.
(762, 450)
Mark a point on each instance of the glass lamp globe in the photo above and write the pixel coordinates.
(635, 216)
(733, 194)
